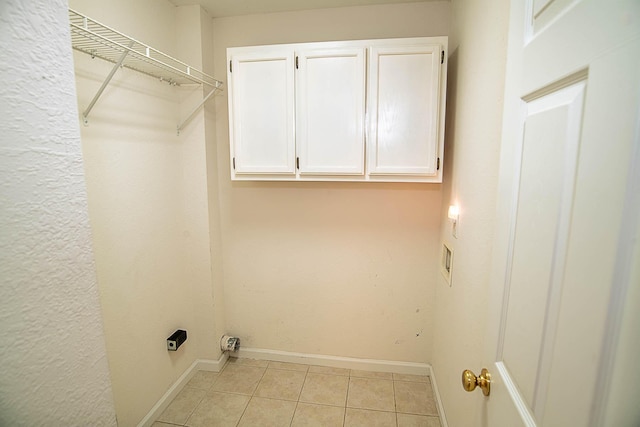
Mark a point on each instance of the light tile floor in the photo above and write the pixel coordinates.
(260, 393)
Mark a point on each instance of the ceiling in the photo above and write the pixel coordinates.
(220, 8)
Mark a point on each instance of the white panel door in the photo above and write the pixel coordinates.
(330, 110)
(404, 99)
(570, 120)
(261, 108)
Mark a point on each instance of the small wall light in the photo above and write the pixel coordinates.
(453, 215)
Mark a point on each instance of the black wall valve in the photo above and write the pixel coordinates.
(176, 340)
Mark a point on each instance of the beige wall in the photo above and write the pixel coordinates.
(200, 209)
(329, 268)
(149, 205)
(476, 86)
(348, 269)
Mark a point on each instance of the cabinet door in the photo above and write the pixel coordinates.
(261, 112)
(403, 110)
(330, 111)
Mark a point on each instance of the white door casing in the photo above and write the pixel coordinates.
(569, 129)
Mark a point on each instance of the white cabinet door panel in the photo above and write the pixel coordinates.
(330, 86)
(403, 110)
(261, 103)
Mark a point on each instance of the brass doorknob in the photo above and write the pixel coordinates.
(470, 381)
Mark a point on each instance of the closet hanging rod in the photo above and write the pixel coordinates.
(98, 40)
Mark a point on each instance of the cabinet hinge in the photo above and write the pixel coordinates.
(234, 163)
(438, 164)
(297, 162)
(296, 62)
(231, 66)
(442, 57)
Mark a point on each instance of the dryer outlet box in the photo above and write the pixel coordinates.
(176, 340)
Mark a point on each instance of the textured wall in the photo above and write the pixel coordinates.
(474, 117)
(329, 268)
(54, 367)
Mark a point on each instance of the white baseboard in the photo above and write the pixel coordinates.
(436, 394)
(167, 398)
(212, 365)
(335, 361)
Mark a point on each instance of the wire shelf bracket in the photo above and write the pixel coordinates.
(100, 41)
(195, 110)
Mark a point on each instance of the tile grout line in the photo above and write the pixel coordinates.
(252, 395)
(206, 392)
(199, 401)
(344, 419)
(196, 407)
(395, 407)
(299, 394)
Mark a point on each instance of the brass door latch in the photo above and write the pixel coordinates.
(470, 381)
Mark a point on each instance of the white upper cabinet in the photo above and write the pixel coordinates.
(261, 104)
(370, 110)
(330, 105)
(404, 85)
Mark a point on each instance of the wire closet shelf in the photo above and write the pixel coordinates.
(100, 41)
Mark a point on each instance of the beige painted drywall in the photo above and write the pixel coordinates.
(149, 205)
(329, 268)
(200, 210)
(213, 183)
(477, 61)
(54, 367)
